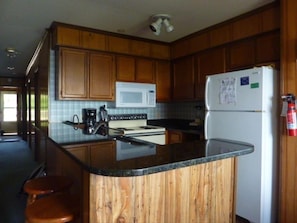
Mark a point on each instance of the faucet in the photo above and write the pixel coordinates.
(77, 118)
(98, 125)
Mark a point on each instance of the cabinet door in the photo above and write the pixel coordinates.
(268, 48)
(67, 36)
(73, 74)
(91, 40)
(241, 55)
(102, 154)
(101, 76)
(183, 78)
(119, 45)
(163, 81)
(145, 71)
(160, 51)
(125, 68)
(174, 136)
(80, 152)
(209, 62)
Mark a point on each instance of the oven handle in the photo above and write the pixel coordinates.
(145, 134)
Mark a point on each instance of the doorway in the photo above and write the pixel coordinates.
(9, 112)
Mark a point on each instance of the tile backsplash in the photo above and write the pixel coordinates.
(60, 110)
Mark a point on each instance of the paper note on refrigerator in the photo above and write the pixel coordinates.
(228, 91)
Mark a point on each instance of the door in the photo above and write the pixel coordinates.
(8, 112)
(73, 74)
(102, 76)
(183, 79)
(256, 173)
(244, 90)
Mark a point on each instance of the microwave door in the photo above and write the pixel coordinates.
(130, 98)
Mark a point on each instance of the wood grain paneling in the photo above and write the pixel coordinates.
(201, 193)
(246, 27)
(220, 35)
(288, 165)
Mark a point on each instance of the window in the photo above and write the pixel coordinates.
(9, 107)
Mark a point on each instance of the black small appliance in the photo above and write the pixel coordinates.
(89, 119)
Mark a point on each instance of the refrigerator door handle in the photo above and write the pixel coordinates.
(206, 125)
(206, 93)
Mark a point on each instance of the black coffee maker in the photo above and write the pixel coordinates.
(89, 119)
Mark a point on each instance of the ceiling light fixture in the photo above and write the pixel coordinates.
(156, 25)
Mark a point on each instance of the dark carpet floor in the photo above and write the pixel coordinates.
(16, 164)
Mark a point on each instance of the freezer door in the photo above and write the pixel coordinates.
(245, 90)
(256, 171)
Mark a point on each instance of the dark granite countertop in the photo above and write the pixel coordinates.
(182, 125)
(129, 157)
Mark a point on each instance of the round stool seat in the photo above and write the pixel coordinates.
(56, 208)
(46, 185)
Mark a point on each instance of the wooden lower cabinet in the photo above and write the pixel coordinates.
(94, 153)
(176, 136)
(199, 193)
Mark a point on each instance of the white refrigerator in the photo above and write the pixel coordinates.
(242, 105)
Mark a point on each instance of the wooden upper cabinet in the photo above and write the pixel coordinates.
(199, 42)
(180, 48)
(102, 76)
(133, 69)
(241, 55)
(66, 36)
(247, 27)
(183, 79)
(163, 81)
(145, 70)
(268, 48)
(119, 45)
(270, 19)
(209, 62)
(220, 35)
(86, 76)
(160, 51)
(140, 48)
(125, 68)
(73, 74)
(91, 40)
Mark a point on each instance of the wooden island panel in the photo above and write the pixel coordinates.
(199, 193)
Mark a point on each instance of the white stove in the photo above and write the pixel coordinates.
(135, 126)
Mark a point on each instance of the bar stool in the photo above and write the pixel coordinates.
(55, 208)
(45, 185)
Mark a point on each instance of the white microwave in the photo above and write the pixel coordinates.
(135, 95)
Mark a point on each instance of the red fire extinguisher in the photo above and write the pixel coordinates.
(291, 115)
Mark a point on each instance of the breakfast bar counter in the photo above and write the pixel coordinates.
(123, 180)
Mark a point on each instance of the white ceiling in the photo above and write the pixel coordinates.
(23, 22)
